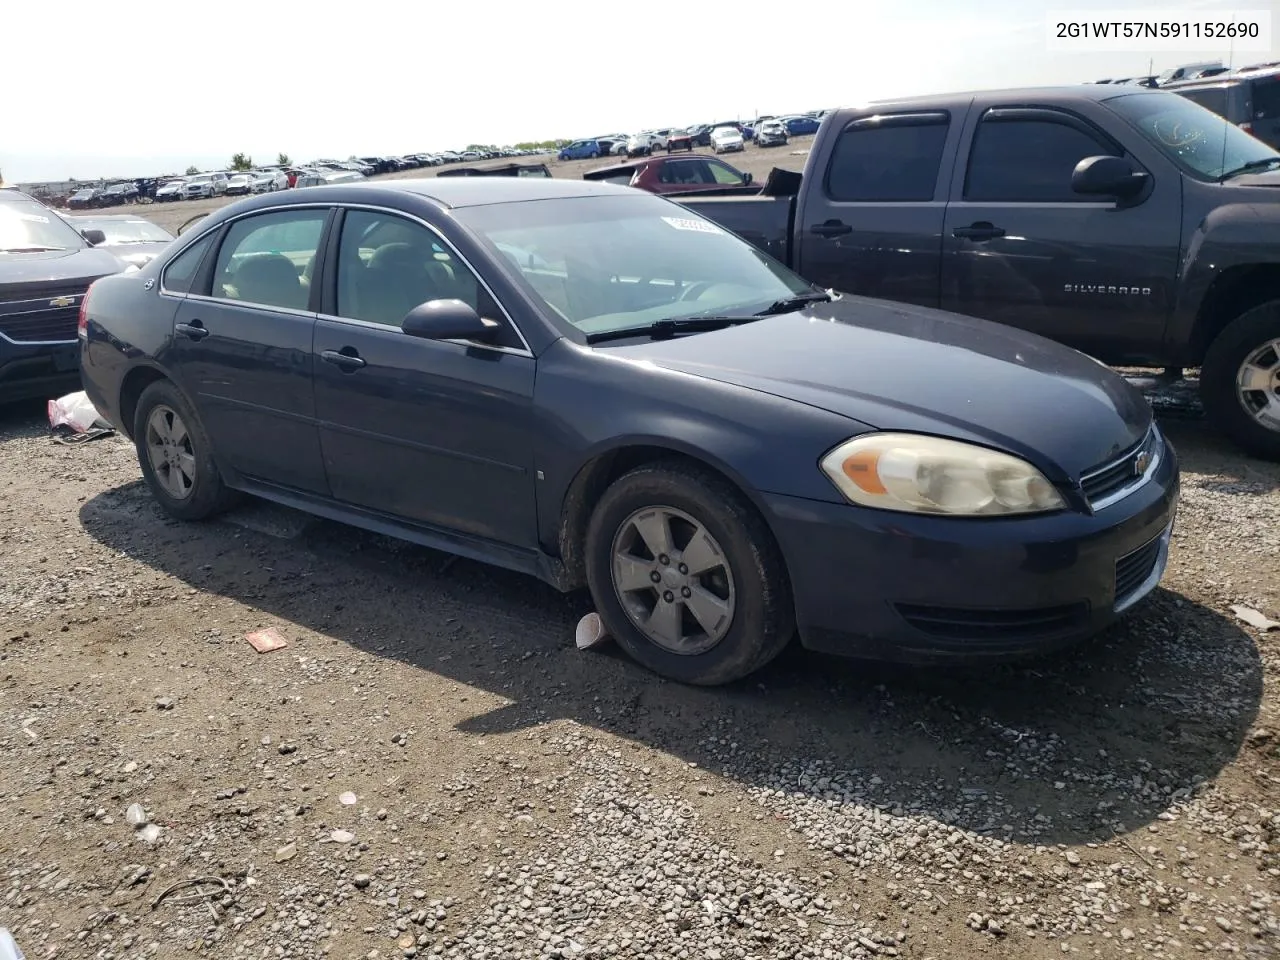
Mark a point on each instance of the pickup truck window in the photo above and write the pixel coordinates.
(1199, 141)
(887, 163)
(1028, 161)
(1266, 99)
(1211, 98)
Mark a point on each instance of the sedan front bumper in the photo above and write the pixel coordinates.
(920, 589)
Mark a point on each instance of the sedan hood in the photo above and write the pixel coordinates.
(898, 367)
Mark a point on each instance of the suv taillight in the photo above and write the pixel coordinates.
(82, 325)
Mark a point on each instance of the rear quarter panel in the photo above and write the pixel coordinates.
(129, 325)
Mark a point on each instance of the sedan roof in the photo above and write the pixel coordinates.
(457, 192)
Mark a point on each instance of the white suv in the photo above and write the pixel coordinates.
(205, 185)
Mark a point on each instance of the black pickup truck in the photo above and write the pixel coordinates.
(1131, 224)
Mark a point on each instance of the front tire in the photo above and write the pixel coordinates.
(176, 456)
(1240, 380)
(686, 575)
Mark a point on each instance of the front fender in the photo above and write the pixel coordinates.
(589, 412)
(1230, 237)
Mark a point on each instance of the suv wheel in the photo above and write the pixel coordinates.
(1240, 380)
(686, 576)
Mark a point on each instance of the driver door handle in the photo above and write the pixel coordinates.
(347, 359)
(982, 230)
(194, 330)
(832, 228)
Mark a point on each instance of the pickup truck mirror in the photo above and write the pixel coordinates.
(94, 237)
(448, 320)
(1107, 176)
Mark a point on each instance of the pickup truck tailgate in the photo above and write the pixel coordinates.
(762, 221)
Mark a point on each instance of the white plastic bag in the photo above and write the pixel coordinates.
(75, 411)
(8, 949)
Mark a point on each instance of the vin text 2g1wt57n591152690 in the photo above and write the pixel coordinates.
(1131, 224)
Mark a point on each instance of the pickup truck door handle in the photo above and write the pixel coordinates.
(347, 359)
(832, 228)
(982, 230)
(194, 330)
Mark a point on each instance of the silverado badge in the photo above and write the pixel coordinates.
(62, 301)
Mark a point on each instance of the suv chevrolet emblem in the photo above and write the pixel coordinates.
(62, 301)
(1141, 462)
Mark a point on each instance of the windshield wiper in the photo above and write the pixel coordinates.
(666, 329)
(798, 302)
(1249, 167)
(29, 249)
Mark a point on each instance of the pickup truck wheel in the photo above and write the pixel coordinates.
(686, 576)
(1240, 380)
(176, 456)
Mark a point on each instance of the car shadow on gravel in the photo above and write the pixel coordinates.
(1072, 749)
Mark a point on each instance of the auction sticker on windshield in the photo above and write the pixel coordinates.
(697, 226)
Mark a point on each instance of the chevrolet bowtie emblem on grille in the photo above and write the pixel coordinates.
(1141, 462)
(62, 301)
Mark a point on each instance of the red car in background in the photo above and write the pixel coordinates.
(679, 140)
(676, 175)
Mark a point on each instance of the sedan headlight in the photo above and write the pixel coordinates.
(913, 473)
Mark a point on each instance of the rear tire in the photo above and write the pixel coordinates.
(1240, 380)
(176, 456)
(737, 575)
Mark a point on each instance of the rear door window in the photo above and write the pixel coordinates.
(1266, 99)
(1211, 98)
(887, 161)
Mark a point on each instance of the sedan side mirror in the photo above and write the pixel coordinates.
(1108, 176)
(448, 320)
(94, 237)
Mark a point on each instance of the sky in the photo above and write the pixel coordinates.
(99, 90)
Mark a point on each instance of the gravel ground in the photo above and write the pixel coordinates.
(431, 768)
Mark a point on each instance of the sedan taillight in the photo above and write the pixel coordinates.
(82, 325)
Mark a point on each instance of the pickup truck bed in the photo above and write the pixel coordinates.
(1129, 223)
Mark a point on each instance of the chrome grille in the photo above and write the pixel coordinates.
(1105, 484)
(36, 319)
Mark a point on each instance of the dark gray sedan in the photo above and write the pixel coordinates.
(597, 387)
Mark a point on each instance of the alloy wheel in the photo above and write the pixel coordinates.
(673, 579)
(170, 453)
(1258, 385)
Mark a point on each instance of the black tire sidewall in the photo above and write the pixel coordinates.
(762, 621)
(1222, 362)
(209, 495)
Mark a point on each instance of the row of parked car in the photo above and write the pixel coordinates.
(1248, 96)
(724, 137)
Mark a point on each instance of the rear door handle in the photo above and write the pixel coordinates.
(832, 228)
(194, 330)
(982, 230)
(347, 359)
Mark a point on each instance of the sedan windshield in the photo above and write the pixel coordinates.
(1198, 140)
(30, 227)
(613, 262)
(125, 231)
